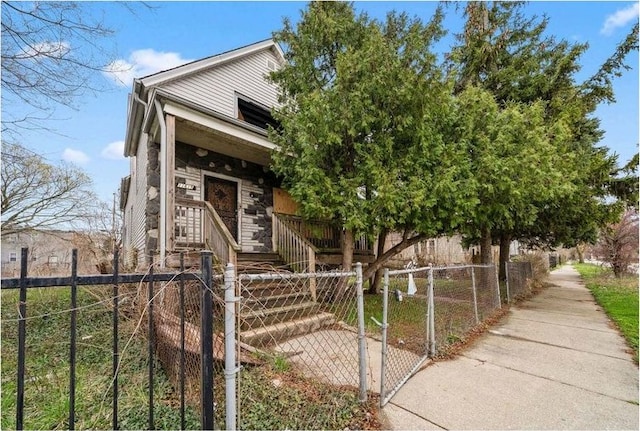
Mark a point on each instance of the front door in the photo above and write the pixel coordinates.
(223, 196)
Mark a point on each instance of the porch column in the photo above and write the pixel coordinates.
(167, 182)
(170, 155)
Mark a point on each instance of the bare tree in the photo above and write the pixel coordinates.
(52, 54)
(618, 243)
(101, 236)
(39, 195)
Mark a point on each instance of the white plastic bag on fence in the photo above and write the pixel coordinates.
(411, 287)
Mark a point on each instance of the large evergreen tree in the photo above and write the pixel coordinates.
(366, 115)
(510, 56)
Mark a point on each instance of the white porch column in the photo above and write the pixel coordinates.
(167, 182)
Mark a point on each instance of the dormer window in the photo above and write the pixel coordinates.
(255, 114)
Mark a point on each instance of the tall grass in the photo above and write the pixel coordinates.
(47, 367)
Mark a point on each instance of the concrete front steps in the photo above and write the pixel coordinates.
(273, 311)
(279, 332)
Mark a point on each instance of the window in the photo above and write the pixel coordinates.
(53, 260)
(255, 114)
(13, 257)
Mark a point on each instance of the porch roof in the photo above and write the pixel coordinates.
(197, 125)
(141, 110)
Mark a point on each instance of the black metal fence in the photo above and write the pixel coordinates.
(205, 279)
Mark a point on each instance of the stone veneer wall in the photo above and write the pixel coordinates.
(256, 187)
(152, 211)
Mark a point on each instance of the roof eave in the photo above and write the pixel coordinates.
(134, 120)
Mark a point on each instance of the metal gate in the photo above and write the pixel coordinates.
(407, 297)
(427, 309)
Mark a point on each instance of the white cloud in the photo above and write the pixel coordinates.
(113, 151)
(620, 18)
(75, 156)
(141, 63)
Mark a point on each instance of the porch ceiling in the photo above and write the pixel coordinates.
(205, 137)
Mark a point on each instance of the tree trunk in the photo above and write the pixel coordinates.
(377, 277)
(347, 262)
(580, 250)
(374, 287)
(505, 242)
(486, 257)
(347, 250)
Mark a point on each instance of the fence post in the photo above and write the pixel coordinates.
(22, 335)
(362, 348)
(495, 267)
(206, 344)
(506, 280)
(151, 341)
(115, 355)
(385, 307)
(182, 345)
(431, 311)
(72, 340)
(475, 295)
(230, 363)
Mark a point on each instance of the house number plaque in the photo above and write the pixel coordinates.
(186, 186)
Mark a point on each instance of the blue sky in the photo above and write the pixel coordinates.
(176, 32)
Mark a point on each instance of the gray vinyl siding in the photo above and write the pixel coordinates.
(216, 88)
(135, 214)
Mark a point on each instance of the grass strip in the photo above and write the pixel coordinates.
(617, 296)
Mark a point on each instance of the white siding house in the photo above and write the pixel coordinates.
(196, 135)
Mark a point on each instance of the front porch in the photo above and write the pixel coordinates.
(302, 245)
(210, 187)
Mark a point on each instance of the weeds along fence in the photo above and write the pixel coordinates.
(519, 276)
(174, 342)
(102, 372)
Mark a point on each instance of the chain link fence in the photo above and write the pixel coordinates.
(425, 310)
(308, 330)
(519, 278)
(404, 325)
(283, 350)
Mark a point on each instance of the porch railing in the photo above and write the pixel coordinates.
(198, 225)
(295, 249)
(323, 235)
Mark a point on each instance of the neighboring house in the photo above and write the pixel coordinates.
(49, 252)
(197, 141)
(444, 250)
(435, 251)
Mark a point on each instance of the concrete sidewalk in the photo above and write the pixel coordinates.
(555, 362)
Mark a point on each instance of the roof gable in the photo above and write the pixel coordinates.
(219, 88)
(178, 72)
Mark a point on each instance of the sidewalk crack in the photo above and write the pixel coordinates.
(416, 414)
(549, 379)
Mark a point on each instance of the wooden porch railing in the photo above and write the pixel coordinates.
(323, 235)
(197, 224)
(294, 249)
